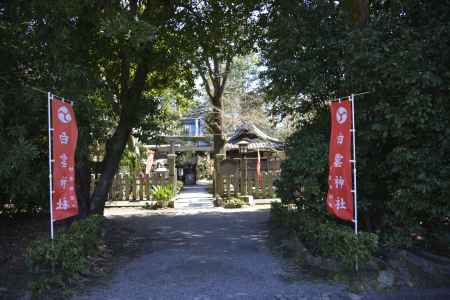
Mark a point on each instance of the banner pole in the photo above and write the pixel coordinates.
(355, 193)
(50, 173)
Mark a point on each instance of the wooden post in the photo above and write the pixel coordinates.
(244, 179)
(121, 187)
(229, 186)
(219, 178)
(92, 184)
(133, 188)
(137, 183)
(253, 186)
(141, 189)
(113, 191)
(128, 188)
(151, 183)
(270, 176)
(146, 190)
(236, 185)
(225, 184)
(257, 186)
(172, 172)
(265, 184)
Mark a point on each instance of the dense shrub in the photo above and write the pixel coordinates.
(23, 165)
(233, 203)
(403, 124)
(162, 194)
(58, 263)
(325, 238)
(180, 185)
(303, 179)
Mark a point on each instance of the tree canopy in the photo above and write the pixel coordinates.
(117, 59)
(125, 63)
(313, 52)
(217, 32)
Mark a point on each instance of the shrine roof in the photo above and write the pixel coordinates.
(256, 138)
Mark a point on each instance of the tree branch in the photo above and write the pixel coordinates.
(211, 73)
(216, 70)
(224, 77)
(124, 73)
(205, 81)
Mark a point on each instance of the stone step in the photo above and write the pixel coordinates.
(193, 204)
(194, 197)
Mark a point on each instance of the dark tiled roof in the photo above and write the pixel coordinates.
(256, 138)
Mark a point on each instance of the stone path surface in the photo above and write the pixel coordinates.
(200, 253)
(204, 253)
(194, 196)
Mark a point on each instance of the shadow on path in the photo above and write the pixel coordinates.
(215, 254)
(212, 254)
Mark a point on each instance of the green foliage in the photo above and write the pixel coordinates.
(58, 263)
(243, 101)
(116, 61)
(325, 238)
(180, 185)
(234, 203)
(154, 206)
(218, 30)
(303, 178)
(402, 125)
(162, 194)
(23, 109)
(23, 167)
(213, 34)
(203, 169)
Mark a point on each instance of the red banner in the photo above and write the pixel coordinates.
(64, 142)
(339, 198)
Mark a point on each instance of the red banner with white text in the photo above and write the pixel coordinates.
(339, 198)
(64, 142)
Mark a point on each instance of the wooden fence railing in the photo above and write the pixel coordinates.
(131, 188)
(135, 188)
(262, 188)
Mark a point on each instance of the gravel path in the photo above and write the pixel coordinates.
(205, 254)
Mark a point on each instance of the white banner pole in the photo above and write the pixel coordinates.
(355, 193)
(50, 175)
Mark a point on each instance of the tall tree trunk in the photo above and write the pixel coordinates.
(359, 10)
(115, 146)
(217, 126)
(83, 185)
(114, 150)
(218, 77)
(363, 6)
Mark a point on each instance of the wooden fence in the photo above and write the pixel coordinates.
(230, 172)
(131, 188)
(263, 188)
(135, 188)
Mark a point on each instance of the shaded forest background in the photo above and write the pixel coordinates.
(126, 63)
